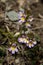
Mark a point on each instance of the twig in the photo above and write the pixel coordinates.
(38, 19)
(37, 27)
(41, 16)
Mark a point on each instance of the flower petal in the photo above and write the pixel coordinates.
(16, 50)
(13, 52)
(34, 42)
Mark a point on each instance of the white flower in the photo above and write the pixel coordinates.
(21, 16)
(13, 50)
(31, 43)
(22, 40)
(22, 19)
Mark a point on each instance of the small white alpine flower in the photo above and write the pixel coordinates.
(31, 43)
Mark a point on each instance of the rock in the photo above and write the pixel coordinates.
(12, 15)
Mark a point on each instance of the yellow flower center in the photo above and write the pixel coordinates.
(12, 48)
(23, 19)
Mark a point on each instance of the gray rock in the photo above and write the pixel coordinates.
(12, 15)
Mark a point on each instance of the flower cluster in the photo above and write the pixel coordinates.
(22, 40)
(29, 43)
(22, 18)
